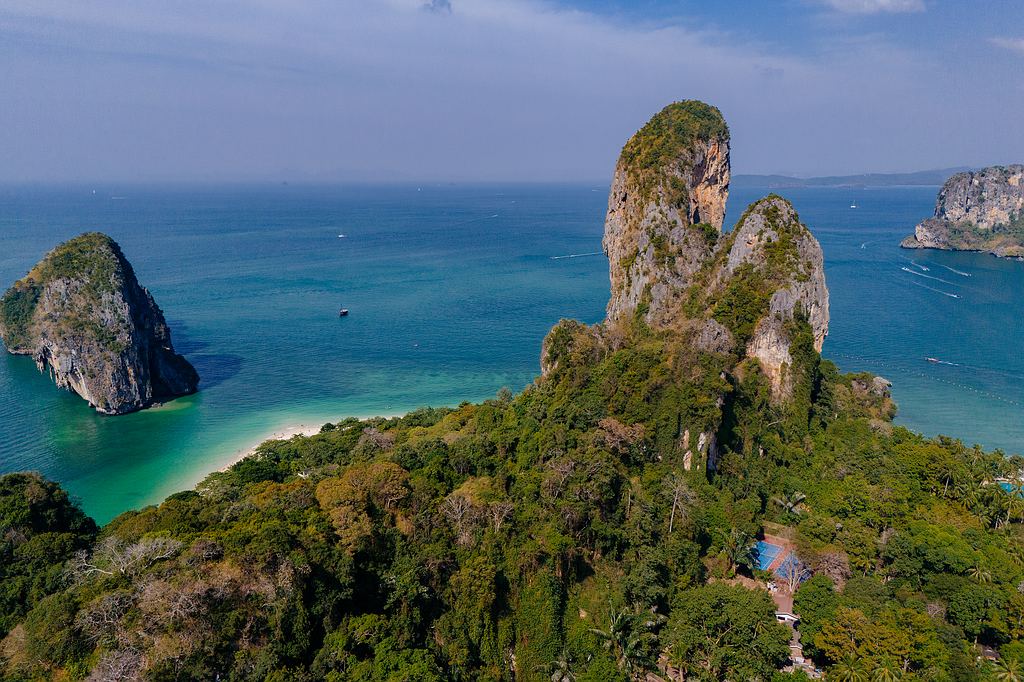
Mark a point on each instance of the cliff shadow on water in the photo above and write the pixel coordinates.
(213, 368)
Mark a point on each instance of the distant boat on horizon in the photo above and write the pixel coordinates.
(853, 204)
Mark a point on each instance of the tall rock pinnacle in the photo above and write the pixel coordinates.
(665, 208)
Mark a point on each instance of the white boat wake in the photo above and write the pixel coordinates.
(578, 255)
(959, 272)
(938, 291)
(921, 274)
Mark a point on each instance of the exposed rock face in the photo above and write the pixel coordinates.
(82, 315)
(714, 310)
(665, 208)
(977, 211)
(771, 240)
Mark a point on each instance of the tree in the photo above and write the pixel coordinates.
(726, 632)
(980, 573)
(793, 572)
(790, 503)
(364, 493)
(1008, 669)
(816, 602)
(847, 633)
(886, 671)
(630, 637)
(114, 556)
(740, 549)
(469, 628)
(677, 489)
(850, 669)
(562, 669)
(40, 528)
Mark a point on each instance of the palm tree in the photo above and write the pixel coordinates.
(1008, 669)
(628, 637)
(740, 549)
(991, 505)
(861, 563)
(948, 471)
(886, 671)
(1015, 509)
(850, 669)
(791, 503)
(967, 491)
(979, 573)
(1015, 548)
(561, 669)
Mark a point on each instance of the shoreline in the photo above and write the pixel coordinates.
(285, 433)
(310, 427)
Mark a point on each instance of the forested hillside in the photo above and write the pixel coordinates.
(531, 536)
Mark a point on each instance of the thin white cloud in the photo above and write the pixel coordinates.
(495, 90)
(875, 6)
(1012, 44)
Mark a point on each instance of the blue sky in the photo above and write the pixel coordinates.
(400, 90)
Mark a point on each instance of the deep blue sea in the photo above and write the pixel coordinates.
(451, 290)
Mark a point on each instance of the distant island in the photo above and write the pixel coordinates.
(916, 179)
(83, 317)
(977, 211)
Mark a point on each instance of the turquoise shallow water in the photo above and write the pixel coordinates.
(451, 290)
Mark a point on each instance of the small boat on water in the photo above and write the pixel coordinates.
(343, 312)
(935, 360)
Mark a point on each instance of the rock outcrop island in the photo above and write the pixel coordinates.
(977, 211)
(83, 317)
(722, 306)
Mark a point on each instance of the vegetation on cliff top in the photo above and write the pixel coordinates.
(94, 261)
(1005, 238)
(92, 257)
(747, 293)
(655, 149)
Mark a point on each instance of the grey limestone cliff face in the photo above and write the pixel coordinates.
(771, 239)
(719, 306)
(671, 267)
(665, 208)
(83, 317)
(977, 211)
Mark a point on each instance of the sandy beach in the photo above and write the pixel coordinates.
(279, 434)
(308, 428)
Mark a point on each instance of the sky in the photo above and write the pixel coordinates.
(496, 90)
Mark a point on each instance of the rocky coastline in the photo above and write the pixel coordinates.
(977, 211)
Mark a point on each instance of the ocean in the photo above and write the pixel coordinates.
(451, 289)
